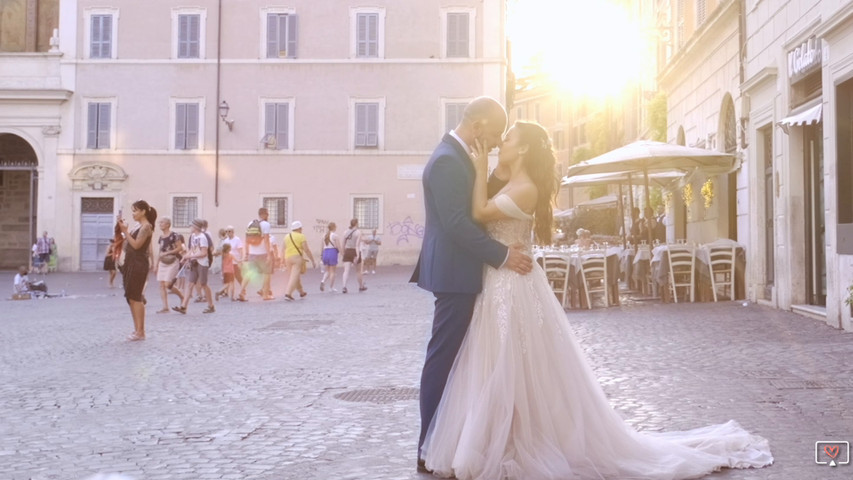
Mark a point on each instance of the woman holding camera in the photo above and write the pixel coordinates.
(137, 262)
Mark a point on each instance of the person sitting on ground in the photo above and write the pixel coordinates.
(22, 281)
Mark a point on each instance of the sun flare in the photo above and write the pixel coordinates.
(587, 47)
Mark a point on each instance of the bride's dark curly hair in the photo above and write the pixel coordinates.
(540, 164)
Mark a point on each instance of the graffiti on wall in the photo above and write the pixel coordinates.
(320, 225)
(406, 230)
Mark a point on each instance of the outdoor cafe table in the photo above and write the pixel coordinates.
(575, 257)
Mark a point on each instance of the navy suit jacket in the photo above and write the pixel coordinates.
(455, 248)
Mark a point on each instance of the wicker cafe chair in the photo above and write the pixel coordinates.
(594, 275)
(682, 269)
(722, 270)
(557, 270)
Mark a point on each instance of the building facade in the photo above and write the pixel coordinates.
(770, 81)
(701, 76)
(320, 113)
(799, 66)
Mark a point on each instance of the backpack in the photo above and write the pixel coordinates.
(209, 250)
(253, 233)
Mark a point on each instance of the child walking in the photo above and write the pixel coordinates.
(227, 274)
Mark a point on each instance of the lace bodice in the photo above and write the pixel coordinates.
(509, 231)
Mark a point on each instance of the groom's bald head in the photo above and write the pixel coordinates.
(483, 119)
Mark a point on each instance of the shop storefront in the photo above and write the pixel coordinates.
(801, 169)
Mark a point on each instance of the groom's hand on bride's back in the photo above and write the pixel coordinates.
(518, 261)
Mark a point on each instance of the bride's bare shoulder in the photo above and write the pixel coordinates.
(524, 195)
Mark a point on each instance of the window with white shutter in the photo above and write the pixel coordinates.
(452, 115)
(101, 36)
(186, 126)
(281, 35)
(189, 35)
(366, 125)
(277, 125)
(367, 35)
(457, 35)
(98, 125)
(367, 32)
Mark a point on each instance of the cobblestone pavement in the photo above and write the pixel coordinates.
(326, 387)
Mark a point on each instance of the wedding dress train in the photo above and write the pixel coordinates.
(522, 403)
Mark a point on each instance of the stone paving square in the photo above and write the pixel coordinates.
(326, 387)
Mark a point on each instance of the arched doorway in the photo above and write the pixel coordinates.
(18, 194)
(728, 129)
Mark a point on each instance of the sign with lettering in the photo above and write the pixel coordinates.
(804, 59)
(410, 172)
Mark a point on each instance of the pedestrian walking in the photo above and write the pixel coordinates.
(227, 274)
(329, 256)
(260, 256)
(110, 263)
(168, 262)
(295, 250)
(352, 256)
(54, 256)
(236, 254)
(372, 241)
(199, 258)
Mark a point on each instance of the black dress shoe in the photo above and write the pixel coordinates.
(422, 466)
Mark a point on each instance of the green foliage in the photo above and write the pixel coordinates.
(596, 191)
(580, 154)
(655, 197)
(599, 133)
(657, 117)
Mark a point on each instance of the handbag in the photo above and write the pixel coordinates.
(168, 258)
(304, 267)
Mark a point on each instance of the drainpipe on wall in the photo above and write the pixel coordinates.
(218, 100)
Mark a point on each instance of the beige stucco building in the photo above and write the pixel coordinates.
(333, 109)
(770, 81)
(799, 66)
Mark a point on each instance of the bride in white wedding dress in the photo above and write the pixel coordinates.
(521, 401)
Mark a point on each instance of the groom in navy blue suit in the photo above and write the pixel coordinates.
(455, 248)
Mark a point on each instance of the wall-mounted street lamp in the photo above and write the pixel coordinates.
(223, 114)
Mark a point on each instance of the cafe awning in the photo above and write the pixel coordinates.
(806, 117)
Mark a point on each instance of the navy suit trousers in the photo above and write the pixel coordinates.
(452, 316)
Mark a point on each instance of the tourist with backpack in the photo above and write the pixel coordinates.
(259, 258)
(199, 257)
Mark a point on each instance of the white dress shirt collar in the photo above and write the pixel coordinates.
(459, 139)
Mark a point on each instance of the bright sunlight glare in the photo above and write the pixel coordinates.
(587, 47)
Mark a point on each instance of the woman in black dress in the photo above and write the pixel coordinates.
(137, 262)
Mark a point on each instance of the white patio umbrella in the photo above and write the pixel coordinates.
(648, 157)
(663, 179)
